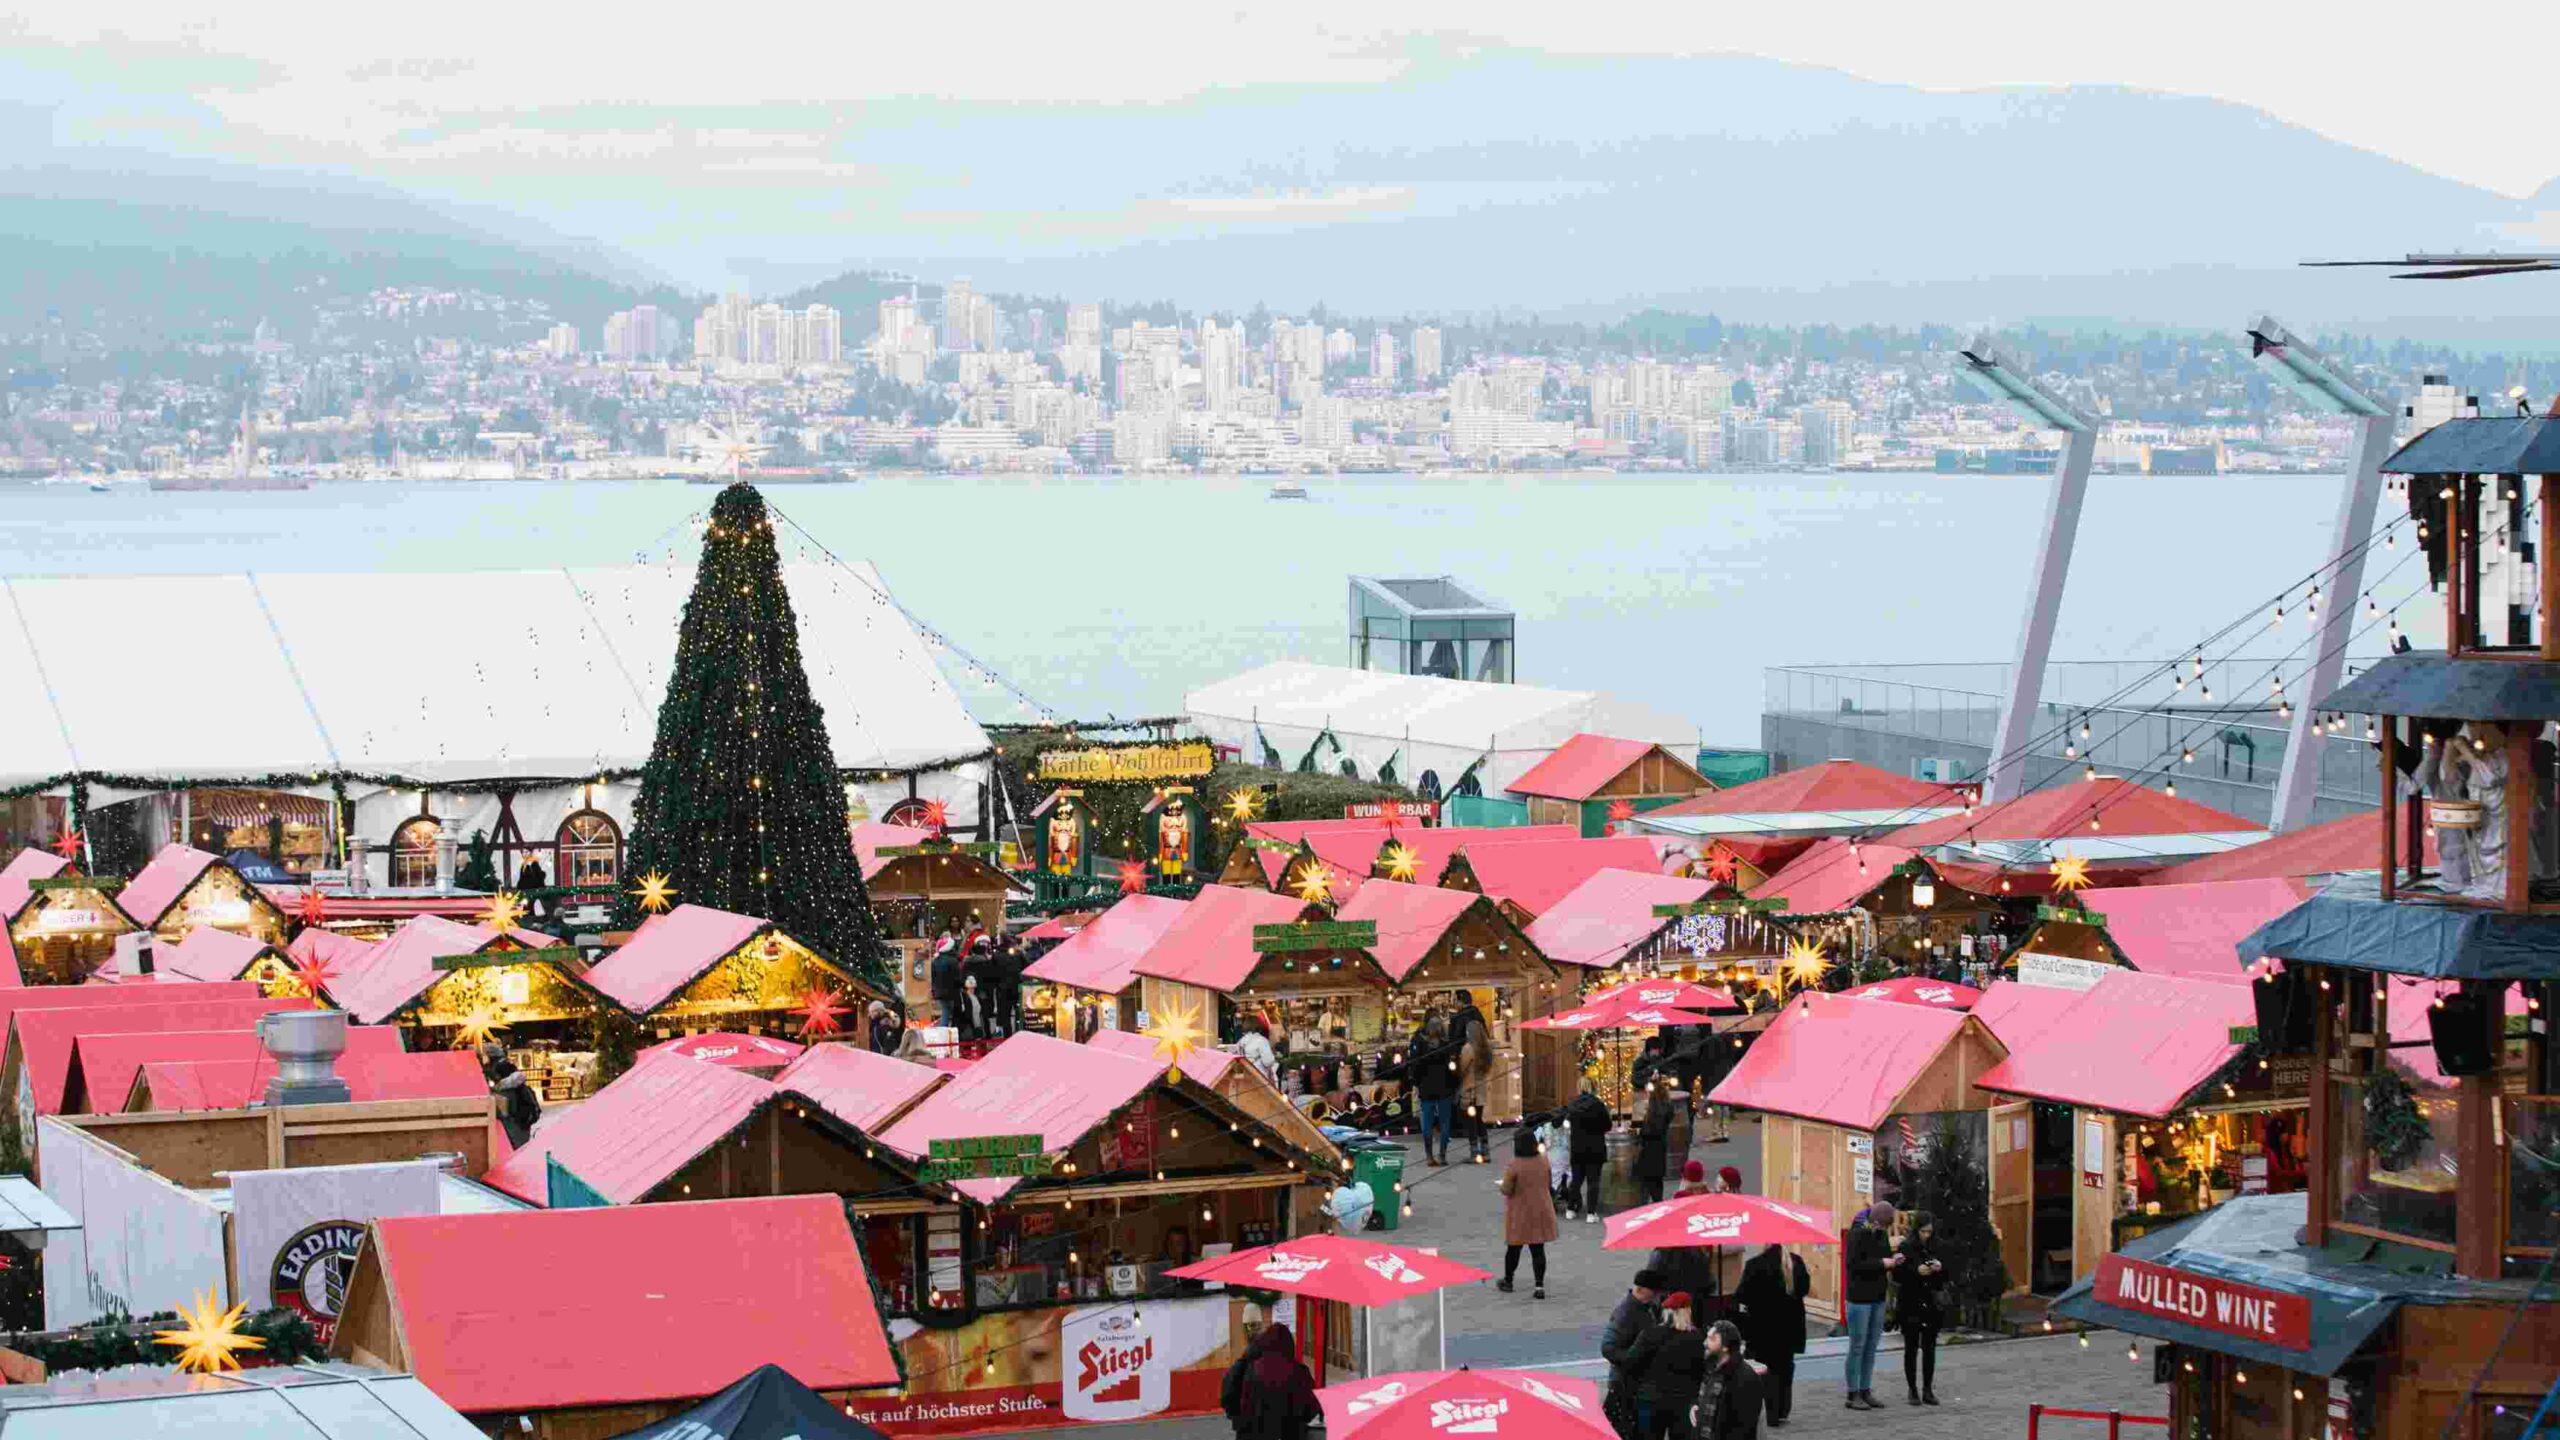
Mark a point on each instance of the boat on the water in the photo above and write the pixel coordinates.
(1289, 487)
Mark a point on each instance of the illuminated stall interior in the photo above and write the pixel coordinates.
(183, 887)
(695, 968)
(62, 925)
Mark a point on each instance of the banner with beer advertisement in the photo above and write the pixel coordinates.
(1060, 1365)
(296, 1232)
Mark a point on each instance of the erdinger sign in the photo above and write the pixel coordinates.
(2225, 1307)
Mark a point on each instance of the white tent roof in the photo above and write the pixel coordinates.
(437, 678)
(1423, 723)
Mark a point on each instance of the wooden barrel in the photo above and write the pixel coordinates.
(2454, 814)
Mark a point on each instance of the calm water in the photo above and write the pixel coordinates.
(1113, 595)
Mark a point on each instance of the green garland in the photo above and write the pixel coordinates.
(2393, 1129)
(121, 1340)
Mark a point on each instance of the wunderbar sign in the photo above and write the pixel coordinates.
(2226, 1307)
(1130, 762)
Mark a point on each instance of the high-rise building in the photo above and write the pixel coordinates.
(1426, 353)
(821, 336)
(1829, 426)
(562, 342)
(646, 343)
(1084, 324)
(1339, 347)
(1221, 363)
(1382, 355)
(617, 335)
(959, 315)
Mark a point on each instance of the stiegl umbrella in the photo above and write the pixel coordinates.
(1718, 1220)
(1494, 1404)
(1334, 1267)
(1671, 994)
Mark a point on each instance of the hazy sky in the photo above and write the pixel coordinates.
(391, 88)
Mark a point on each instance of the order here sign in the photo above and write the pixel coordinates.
(2226, 1307)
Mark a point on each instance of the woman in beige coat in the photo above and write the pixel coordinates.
(1528, 1213)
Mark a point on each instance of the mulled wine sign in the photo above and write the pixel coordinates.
(2226, 1307)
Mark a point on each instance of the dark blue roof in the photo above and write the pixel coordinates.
(2432, 684)
(2350, 925)
(2488, 445)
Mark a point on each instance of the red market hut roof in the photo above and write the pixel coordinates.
(1840, 1061)
(1836, 795)
(1030, 1084)
(19, 1000)
(1211, 944)
(2016, 1013)
(670, 952)
(634, 1134)
(870, 835)
(2190, 929)
(2335, 847)
(18, 876)
(157, 886)
(1412, 920)
(168, 1085)
(1833, 876)
(332, 948)
(2136, 1044)
(43, 1039)
(209, 953)
(864, 1090)
(103, 1065)
(1104, 955)
(1204, 1065)
(1605, 918)
(2134, 823)
(1285, 836)
(375, 984)
(629, 1305)
(1432, 848)
(1060, 927)
(1537, 874)
(1582, 765)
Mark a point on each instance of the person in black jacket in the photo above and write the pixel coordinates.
(1639, 1312)
(1729, 1399)
(1771, 1296)
(1268, 1394)
(1869, 1259)
(1669, 1363)
(945, 979)
(1918, 1279)
(1653, 1144)
(1587, 1120)
(1431, 1067)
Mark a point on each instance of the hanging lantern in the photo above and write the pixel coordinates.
(1924, 891)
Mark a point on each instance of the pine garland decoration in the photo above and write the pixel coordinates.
(740, 805)
(2393, 1129)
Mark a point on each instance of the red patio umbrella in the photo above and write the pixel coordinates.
(1334, 1267)
(1432, 1404)
(1919, 990)
(1674, 994)
(738, 1052)
(1615, 1012)
(1718, 1220)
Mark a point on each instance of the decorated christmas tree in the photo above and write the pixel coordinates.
(741, 807)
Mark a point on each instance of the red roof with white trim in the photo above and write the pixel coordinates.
(236, 1084)
(631, 1304)
(1576, 769)
(25, 867)
(1833, 875)
(1029, 1084)
(2334, 847)
(634, 1134)
(1103, 956)
(864, 1090)
(103, 1064)
(1537, 874)
(1840, 1061)
(1412, 920)
(2192, 930)
(2133, 1043)
(669, 953)
(2062, 812)
(1211, 943)
(1604, 918)
(1830, 788)
(157, 885)
(210, 953)
(44, 1038)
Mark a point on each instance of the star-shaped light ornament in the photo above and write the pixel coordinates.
(818, 1012)
(1805, 965)
(208, 1336)
(1244, 804)
(654, 892)
(2070, 872)
(311, 975)
(1621, 810)
(1315, 885)
(1133, 877)
(937, 816)
(1177, 1031)
(503, 911)
(483, 1023)
(67, 844)
(1403, 862)
(313, 909)
(1722, 867)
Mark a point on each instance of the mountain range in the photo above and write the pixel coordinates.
(1475, 180)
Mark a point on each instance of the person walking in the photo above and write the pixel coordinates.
(1869, 1259)
(885, 1028)
(1729, 1397)
(1653, 1145)
(1918, 1278)
(1528, 1214)
(1011, 960)
(1670, 1363)
(1771, 1301)
(1432, 1067)
(945, 980)
(1639, 1312)
(519, 1109)
(1587, 1120)
(1474, 1039)
(1274, 1396)
(531, 881)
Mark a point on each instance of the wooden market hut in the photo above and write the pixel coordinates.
(62, 924)
(1527, 878)
(1240, 1084)
(161, 1086)
(867, 1091)
(2147, 1066)
(930, 883)
(37, 1065)
(696, 968)
(1207, 954)
(1863, 899)
(1831, 1075)
(2189, 929)
(1257, 855)
(1449, 947)
(644, 1309)
(183, 887)
(1089, 981)
(1583, 780)
(106, 1064)
(209, 953)
(1607, 921)
(16, 1001)
(437, 974)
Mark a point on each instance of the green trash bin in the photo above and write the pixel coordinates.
(1381, 1168)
